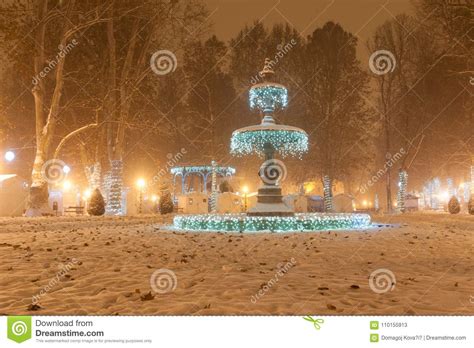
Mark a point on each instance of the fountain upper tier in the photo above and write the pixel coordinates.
(285, 140)
(267, 97)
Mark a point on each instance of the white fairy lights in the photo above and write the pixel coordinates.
(243, 223)
(268, 139)
(285, 142)
(268, 96)
(402, 188)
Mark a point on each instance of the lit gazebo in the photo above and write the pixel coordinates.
(203, 172)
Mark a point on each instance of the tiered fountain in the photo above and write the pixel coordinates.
(266, 140)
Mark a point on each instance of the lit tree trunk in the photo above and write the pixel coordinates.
(114, 184)
(214, 188)
(114, 203)
(93, 174)
(450, 188)
(402, 189)
(327, 189)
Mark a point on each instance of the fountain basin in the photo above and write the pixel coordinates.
(300, 222)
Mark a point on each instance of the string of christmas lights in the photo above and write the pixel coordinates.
(268, 96)
(402, 189)
(327, 193)
(225, 171)
(285, 142)
(114, 202)
(298, 222)
(214, 187)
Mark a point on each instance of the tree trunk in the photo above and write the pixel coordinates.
(114, 202)
(327, 189)
(93, 174)
(388, 183)
(114, 150)
(402, 188)
(38, 195)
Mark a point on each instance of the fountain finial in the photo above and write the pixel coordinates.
(267, 72)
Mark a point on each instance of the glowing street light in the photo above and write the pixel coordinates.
(141, 183)
(66, 169)
(9, 156)
(87, 194)
(67, 185)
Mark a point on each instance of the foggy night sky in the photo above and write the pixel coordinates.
(356, 16)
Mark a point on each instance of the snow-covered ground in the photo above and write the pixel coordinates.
(104, 266)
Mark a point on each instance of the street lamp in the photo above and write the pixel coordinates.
(9, 156)
(66, 185)
(66, 169)
(141, 186)
(245, 190)
(87, 194)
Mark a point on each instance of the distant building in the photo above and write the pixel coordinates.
(315, 204)
(411, 202)
(13, 195)
(193, 203)
(299, 203)
(343, 203)
(229, 202)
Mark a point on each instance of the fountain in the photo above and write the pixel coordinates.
(267, 140)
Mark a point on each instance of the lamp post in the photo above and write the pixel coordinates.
(141, 186)
(245, 190)
(154, 199)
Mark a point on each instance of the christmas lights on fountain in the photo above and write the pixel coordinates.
(302, 222)
(267, 140)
